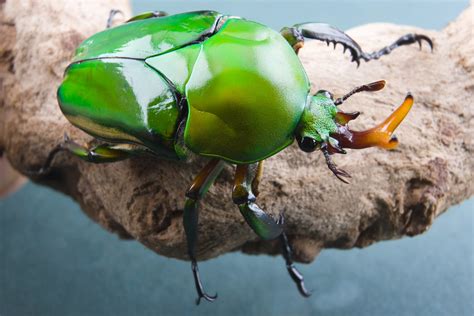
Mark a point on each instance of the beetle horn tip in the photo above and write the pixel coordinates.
(392, 143)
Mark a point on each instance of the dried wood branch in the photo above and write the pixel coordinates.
(392, 193)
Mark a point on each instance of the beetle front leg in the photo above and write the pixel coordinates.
(198, 188)
(324, 32)
(406, 39)
(260, 222)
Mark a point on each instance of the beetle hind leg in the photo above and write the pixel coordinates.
(102, 153)
(196, 191)
(98, 154)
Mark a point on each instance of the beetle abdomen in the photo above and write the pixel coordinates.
(121, 100)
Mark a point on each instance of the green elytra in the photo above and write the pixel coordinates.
(202, 83)
(230, 82)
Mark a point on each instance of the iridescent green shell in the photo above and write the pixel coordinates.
(237, 84)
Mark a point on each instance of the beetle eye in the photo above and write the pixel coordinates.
(326, 94)
(307, 144)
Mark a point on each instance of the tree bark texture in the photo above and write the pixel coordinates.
(392, 193)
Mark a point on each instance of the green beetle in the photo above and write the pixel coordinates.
(203, 83)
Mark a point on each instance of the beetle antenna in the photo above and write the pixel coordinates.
(371, 87)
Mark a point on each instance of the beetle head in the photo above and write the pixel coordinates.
(317, 122)
(324, 126)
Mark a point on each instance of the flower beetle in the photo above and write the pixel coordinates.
(207, 84)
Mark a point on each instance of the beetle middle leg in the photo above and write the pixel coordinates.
(286, 249)
(198, 188)
(260, 222)
(295, 275)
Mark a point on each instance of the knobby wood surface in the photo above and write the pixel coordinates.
(392, 193)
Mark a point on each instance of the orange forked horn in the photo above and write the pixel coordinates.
(342, 118)
(380, 135)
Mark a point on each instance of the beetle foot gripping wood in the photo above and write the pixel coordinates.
(103, 153)
(392, 193)
(198, 189)
(295, 275)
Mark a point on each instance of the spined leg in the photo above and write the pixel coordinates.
(97, 154)
(197, 190)
(324, 32)
(260, 222)
(406, 39)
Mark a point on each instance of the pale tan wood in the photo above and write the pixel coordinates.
(391, 194)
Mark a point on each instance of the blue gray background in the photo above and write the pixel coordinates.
(55, 261)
